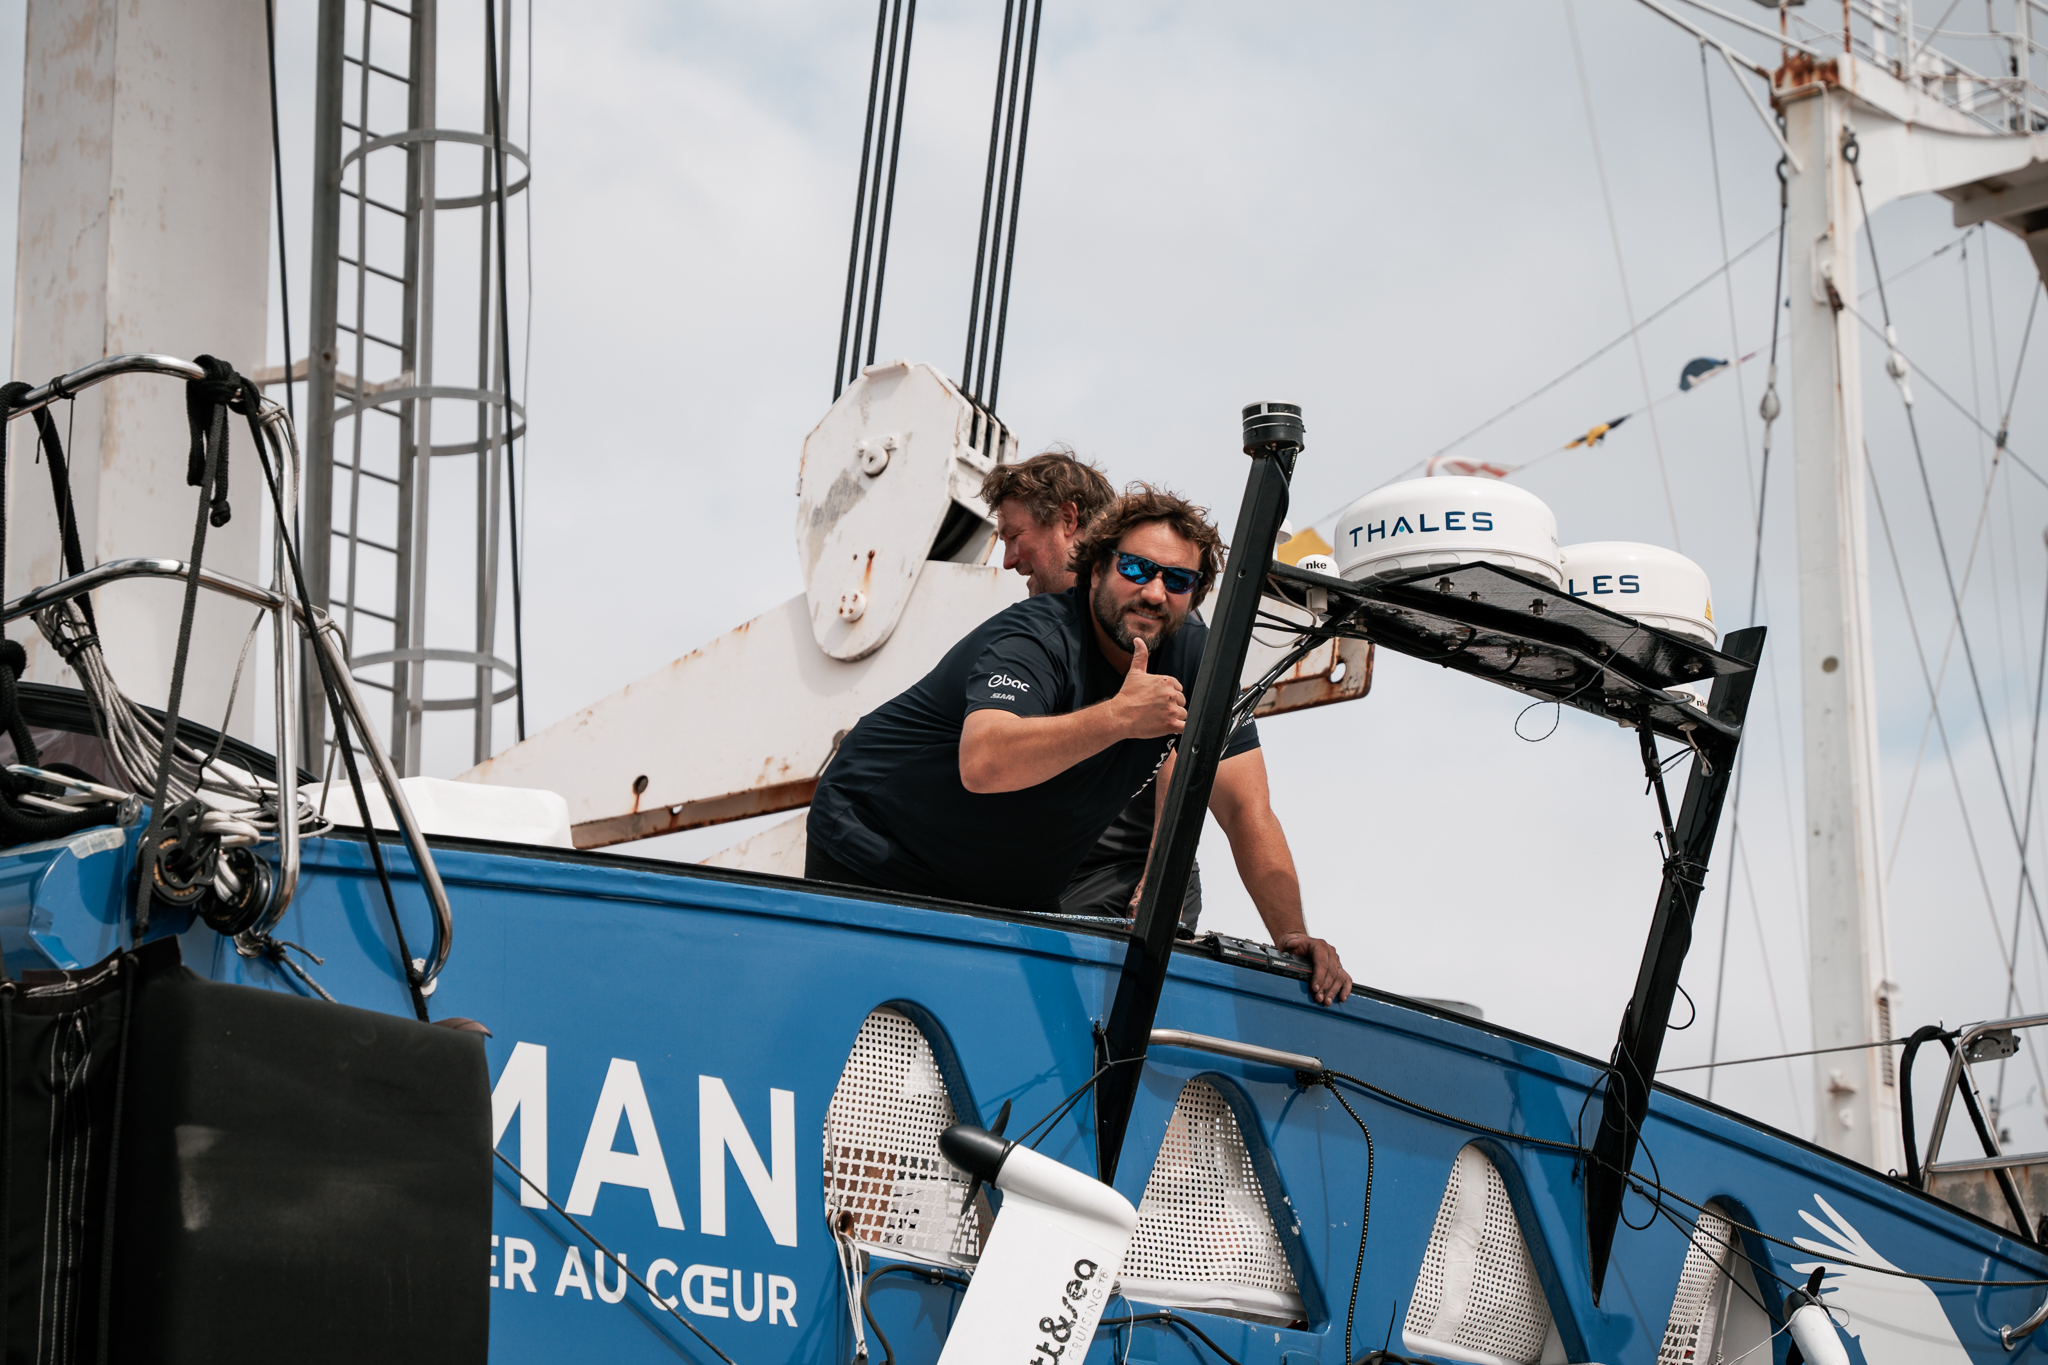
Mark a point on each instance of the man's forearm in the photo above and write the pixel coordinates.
(1000, 752)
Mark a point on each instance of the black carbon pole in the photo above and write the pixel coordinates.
(1626, 1098)
(1272, 437)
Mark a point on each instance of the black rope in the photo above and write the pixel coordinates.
(497, 125)
(284, 275)
(606, 1252)
(21, 823)
(1065, 1106)
(206, 412)
(1365, 1214)
(331, 687)
(67, 508)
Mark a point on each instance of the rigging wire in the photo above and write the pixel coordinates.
(2026, 892)
(497, 158)
(858, 318)
(1977, 412)
(1543, 389)
(1940, 676)
(1621, 268)
(1002, 191)
(2026, 827)
(1896, 366)
(284, 278)
(1760, 489)
(1940, 726)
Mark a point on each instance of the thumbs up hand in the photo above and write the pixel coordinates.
(1149, 705)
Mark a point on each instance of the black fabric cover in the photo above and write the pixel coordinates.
(294, 1179)
(61, 1053)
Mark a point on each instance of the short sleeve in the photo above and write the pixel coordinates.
(1015, 672)
(1244, 740)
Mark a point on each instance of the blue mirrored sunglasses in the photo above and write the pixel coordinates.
(1137, 568)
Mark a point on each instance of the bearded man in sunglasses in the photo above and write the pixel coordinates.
(992, 777)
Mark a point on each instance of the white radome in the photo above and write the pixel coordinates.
(1447, 523)
(1656, 586)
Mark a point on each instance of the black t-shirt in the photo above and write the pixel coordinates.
(891, 805)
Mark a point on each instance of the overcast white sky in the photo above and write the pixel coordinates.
(1389, 214)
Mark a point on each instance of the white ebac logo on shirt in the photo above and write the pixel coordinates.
(1005, 680)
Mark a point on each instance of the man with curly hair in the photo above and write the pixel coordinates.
(1041, 505)
(992, 777)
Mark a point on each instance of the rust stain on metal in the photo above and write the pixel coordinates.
(1802, 70)
(1305, 690)
(867, 572)
(711, 810)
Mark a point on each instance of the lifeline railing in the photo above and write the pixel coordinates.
(1988, 1041)
(291, 623)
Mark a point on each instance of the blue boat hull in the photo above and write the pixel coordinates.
(679, 1033)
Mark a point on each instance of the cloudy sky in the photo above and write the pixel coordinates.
(1393, 216)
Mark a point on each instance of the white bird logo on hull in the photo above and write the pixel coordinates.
(1896, 1320)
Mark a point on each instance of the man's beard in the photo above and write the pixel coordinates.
(1113, 621)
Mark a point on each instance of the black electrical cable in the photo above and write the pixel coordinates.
(1172, 1320)
(284, 280)
(1572, 1147)
(498, 131)
(1835, 1258)
(932, 1273)
(606, 1252)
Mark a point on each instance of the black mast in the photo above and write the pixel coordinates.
(1626, 1096)
(1272, 437)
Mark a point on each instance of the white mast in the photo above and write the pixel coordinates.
(1908, 142)
(145, 226)
(1855, 1095)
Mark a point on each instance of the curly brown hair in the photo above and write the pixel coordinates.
(1142, 503)
(1045, 481)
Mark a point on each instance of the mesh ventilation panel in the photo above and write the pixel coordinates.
(1205, 1235)
(883, 1171)
(1703, 1288)
(1477, 1297)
